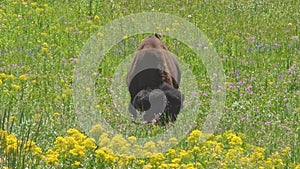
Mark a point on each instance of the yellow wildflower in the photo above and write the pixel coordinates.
(194, 137)
(176, 160)
(100, 34)
(259, 149)
(37, 117)
(96, 131)
(173, 166)
(16, 87)
(60, 144)
(141, 162)
(2, 75)
(96, 17)
(45, 50)
(89, 22)
(3, 134)
(277, 161)
(196, 149)
(78, 151)
(39, 9)
(31, 146)
(118, 142)
(297, 166)
(52, 157)
(76, 163)
(199, 165)
(76, 134)
(33, 4)
(23, 77)
(244, 160)
(190, 166)
(173, 141)
(11, 143)
(171, 152)
(156, 158)
(150, 147)
(45, 45)
(148, 166)
(235, 140)
(10, 77)
(268, 163)
(12, 119)
(286, 151)
(257, 156)
(106, 156)
(104, 141)
(163, 166)
(183, 154)
(44, 34)
(132, 139)
(160, 144)
(232, 155)
(89, 143)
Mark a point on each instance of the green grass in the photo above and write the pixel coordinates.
(257, 41)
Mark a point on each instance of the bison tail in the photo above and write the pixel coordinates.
(152, 101)
(141, 100)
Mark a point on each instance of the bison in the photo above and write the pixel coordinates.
(153, 80)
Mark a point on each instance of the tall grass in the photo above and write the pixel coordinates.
(257, 42)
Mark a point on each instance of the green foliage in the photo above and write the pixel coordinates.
(257, 41)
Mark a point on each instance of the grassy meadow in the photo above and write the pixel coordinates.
(257, 42)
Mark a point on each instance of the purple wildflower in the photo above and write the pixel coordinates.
(204, 94)
(276, 44)
(292, 68)
(249, 87)
(240, 83)
(257, 47)
(56, 87)
(295, 37)
(63, 60)
(267, 123)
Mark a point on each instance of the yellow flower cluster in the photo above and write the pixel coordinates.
(73, 147)
(7, 83)
(11, 145)
(219, 151)
(9, 142)
(30, 146)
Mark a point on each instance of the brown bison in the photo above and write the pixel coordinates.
(153, 80)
